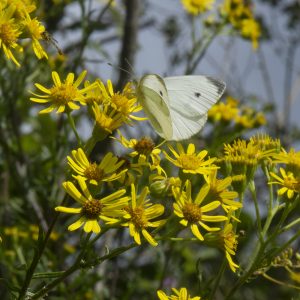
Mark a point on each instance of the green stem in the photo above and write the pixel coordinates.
(72, 123)
(258, 250)
(37, 256)
(218, 279)
(191, 67)
(80, 265)
(72, 269)
(253, 193)
(286, 244)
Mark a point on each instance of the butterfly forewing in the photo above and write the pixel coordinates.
(153, 96)
(190, 97)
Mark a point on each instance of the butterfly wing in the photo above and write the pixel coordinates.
(190, 97)
(153, 96)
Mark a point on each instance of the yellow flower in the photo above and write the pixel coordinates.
(240, 15)
(35, 31)
(109, 209)
(265, 142)
(143, 149)
(290, 185)
(244, 156)
(196, 7)
(218, 190)
(124, 102)
(230, 245)
(291, 159)
(94, 95)
(62, 95)
(191, 212)
(106, 170)
(225, 112)
(181, 294)
(23, 7)
(235, 11)
(106, 120)
(250, 29)
(190, 162)
(139, 214)
(9, 33)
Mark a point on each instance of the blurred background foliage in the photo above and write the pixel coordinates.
(92, 34)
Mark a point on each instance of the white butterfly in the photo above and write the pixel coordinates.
(177, 106)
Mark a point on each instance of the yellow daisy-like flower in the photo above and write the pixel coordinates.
(235, 11)
(291, 159)
(230, 245)
(290, 185)
(191, 212)
(35, 31)
(181, 294)
(23, 7)
(225, 112)
(106, 170)
(106, 120)
(108, 209)
(250, 29)
(9, 33)
(94, 95)
(139, 214)
(62, 95)
(218, 190)
(143, 149)
(196, 7)
(190, 161)
(244, 156)
(124, 102)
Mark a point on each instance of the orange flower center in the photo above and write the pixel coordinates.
(144, 146)
(94, 172)
(63, 94)
(192, 212)
(92, 209)
(189, 161)
(7, 34)
(121, 102)
(137, 216)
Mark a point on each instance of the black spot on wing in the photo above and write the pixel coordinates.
(161, 93)
(197, 94)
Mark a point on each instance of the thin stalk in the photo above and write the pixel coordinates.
(218, 279)
(191, 67)
(37, 256)
(258, 250)
(253, 193)
(72, 123)
(72, 269)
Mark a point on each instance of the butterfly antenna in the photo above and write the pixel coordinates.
(118, 67)
(130, 66)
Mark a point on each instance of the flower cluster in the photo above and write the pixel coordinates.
(181, 294)
(288, 176)
(231, 113)
(110, 109)
(240, 15)
(18, 23)
(196, 7)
